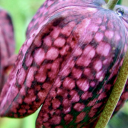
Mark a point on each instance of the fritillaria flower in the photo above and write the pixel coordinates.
(7, 46)
(68, 64)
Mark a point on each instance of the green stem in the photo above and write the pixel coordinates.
(119, 2)
(111, 4)
(115, 95)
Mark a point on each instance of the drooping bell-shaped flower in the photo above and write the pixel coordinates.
(7, 46)
(68, 63)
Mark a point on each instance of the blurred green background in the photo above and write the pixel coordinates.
(22, 12)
